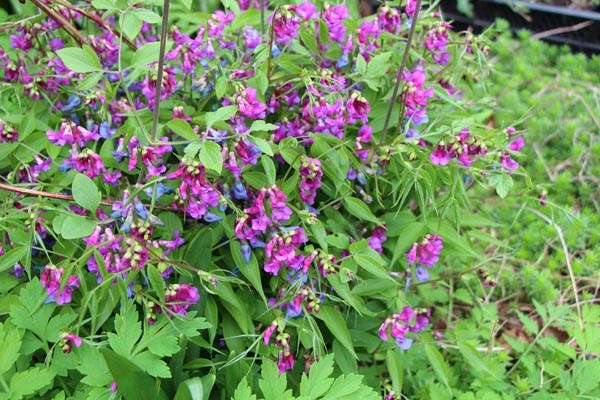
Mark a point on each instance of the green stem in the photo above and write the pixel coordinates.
(161, 64)
(400, 70)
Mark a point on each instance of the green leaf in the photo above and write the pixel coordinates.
(502, 182)
(221, 86)
(211, 157)
(337, 325)
(530, 325)
(351, 387)
(262, 126)
(191, 389)
(243, 391)
(157, 282)
(475, 359)
(372, 262)
(28, 382)
(146, 15)
(222, 114)
(80, 60)
(85, 192)
(182, 128)
(273, 384)
(90, 81)
(394, 367)
(359, 209)
(9, 349)
(131, 25)
(318, 380)
(361, 65)
(262, 144)
(440, 367)
(76, 226)
(269, 168)
(152, 364)
(133, 383)
(378, 65)
(148, 53)
(249, 269)
(10, 258)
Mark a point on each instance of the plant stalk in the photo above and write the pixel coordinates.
(400, 71)
(161, 65)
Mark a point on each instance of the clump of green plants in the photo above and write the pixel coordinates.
(261, 201)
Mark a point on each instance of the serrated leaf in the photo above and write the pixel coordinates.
(337, 325)
(9, 349)
(85, 192)
(318, 380)
(243, 391)
(530, 325)
(182, 128)
(273, 384)
(133, 383)
(78, 60)
(152, 364)
(211, 157)
(359, 209)
(28, 382)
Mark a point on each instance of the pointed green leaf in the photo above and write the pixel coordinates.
(85, 192)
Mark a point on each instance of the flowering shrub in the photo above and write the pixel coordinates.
(251, 184)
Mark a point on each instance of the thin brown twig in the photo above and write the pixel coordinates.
(61, 21)
(99, 21)
(59, 196)
(563, 29)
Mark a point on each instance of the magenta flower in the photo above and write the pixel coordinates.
(401, 324)
(285, 361)
(426, 252)
(358, 108)
(310, 179)
(389, 19)
(179, 298)
(377, 238)
(249, 106)
(51, 278)
(334, 17)
(285, 25)
(8, 134)
(69, 340)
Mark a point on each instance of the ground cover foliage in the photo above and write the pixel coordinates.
(279, 220)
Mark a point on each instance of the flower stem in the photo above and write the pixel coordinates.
(400, 70)
(161, 64)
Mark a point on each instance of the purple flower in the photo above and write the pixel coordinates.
(422, 274)
(285, 361)
(280, 212)
(358, 108)
(285, 25)
(377, 239)
(427, 252)
(8, 134)
(310, 179)
(68, 340)
(51, 281)
(389, 19)
(517, 144)
(179, 298)
(403, 323)
(249, 105)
